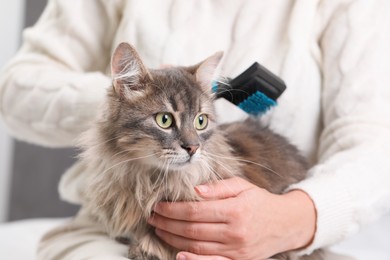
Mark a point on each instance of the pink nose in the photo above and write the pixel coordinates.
(191, 149)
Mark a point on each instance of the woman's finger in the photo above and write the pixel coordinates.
(191, 256)
(223, 189)
(215, 232)
(199, 211)
(190, 245)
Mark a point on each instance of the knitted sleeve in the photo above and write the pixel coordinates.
(51, 89)
(350, 185)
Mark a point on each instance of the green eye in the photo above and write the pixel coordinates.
(164, 120)
(201, 122)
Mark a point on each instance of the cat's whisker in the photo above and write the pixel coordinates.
(166, 180)
(227, 170)
(159, 182)
(104, 142)
(245, 161)
(161, 177)
(215, 175)
(124, 151)
(215, 160)
(156, 182)
(128, 160)
(219, 177)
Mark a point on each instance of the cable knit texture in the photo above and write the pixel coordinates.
(333, 55)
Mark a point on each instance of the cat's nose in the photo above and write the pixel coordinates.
(191, 149)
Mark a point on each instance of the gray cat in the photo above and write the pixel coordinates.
(157, 138)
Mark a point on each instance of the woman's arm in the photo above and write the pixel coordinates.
(52, 88)
(349, 186)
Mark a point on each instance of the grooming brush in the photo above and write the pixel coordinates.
(255, 90)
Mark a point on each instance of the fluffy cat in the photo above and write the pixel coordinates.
(157, 138)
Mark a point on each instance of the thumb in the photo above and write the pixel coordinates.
(190, 256)
(223, 189)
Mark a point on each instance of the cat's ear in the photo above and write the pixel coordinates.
(127, 69)
(206, 71)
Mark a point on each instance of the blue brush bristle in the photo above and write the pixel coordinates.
(257, 104)
(214, 86)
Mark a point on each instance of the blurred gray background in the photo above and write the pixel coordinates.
(29, 182)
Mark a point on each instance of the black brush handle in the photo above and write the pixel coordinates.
(255, 78)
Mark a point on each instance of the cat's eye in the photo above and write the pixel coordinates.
(201, 122)
(164, 120)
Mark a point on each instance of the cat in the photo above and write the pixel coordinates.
(157, 138)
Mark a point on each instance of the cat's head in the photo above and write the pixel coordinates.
(162, 117)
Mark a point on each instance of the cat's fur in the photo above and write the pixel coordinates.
(136, 163)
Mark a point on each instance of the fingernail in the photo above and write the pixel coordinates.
(156, 208)
(202, 188)
(157, 231)
(181, 257)
(151, 221)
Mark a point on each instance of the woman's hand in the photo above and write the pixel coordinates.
(237, 220)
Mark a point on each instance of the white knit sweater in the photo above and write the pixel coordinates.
(334, 56)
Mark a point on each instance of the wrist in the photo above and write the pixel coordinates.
(302, 218)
